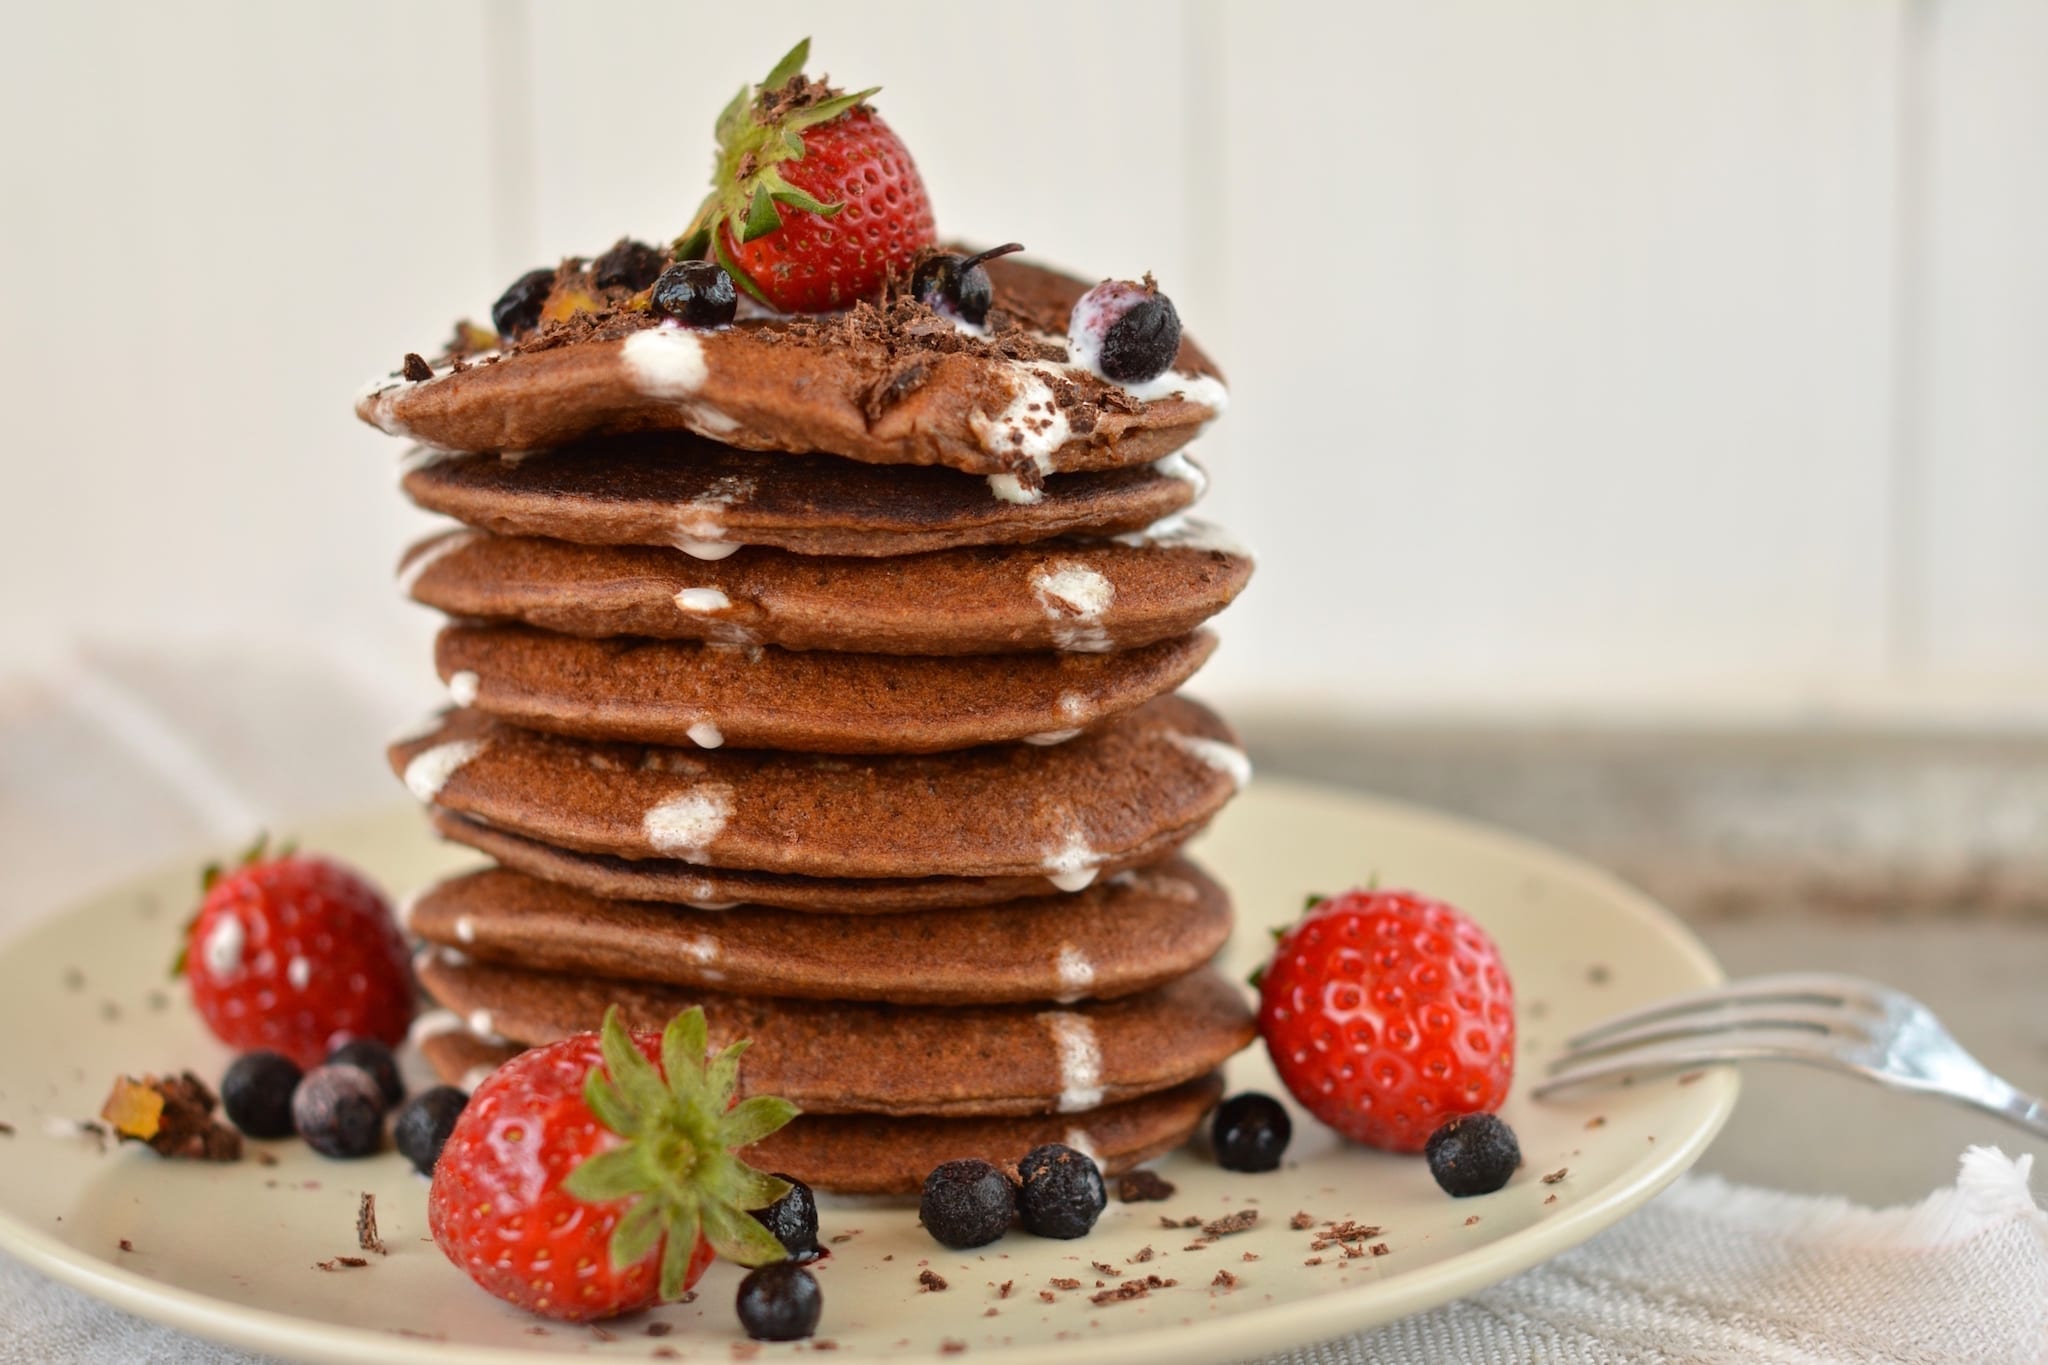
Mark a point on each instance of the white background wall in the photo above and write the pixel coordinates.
(1634, 357)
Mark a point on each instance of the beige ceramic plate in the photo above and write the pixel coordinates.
(230, 1252)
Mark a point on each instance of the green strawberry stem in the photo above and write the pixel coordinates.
(760, 129)
(677, 1162)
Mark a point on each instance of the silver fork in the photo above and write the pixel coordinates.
(1840, 1022)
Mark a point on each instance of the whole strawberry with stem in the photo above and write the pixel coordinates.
(815, 201)
(597, 1175)
(1387, 1012)
(295, 954)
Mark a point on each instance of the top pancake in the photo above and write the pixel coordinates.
(709, 500)
(894, 384)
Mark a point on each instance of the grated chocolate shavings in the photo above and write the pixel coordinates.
(1301, 1222)
(1379, 1248)
(1224, 1280)
(1557, 1175)
(172, 1115)
(1140, 1186)
(1063, 1282)
(1109, 1270)
(932, 1281)
(366, 1226)
(1144, 1254)
(1131, 1289)
(660, 1329)
(1230, 1223)
(416, 368)
(1189, 1222)
(1004, 1291)
(127, 1245)
(342, 1263)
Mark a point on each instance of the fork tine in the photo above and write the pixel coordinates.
(1821, 988)
(1732, 1014)
(1685, 1055)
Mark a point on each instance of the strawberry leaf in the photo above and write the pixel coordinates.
(762, 218)
(791, 63)
(636, 1234)
(616, 1174)
(827, 110)
(739, 276)
(747, 1122)
(630, 1071)
(611, 1109)
(722, 1077)
(740, 1237)
(750, 1189)
(682, 1053)
(683, 1230)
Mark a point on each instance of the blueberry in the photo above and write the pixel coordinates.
(967, 1203)
(1060, 1192)
(339, 1111)
(257, 1091)
(518, 308)
(424, 1124)
(956, 285)
(628, 265)
(793, 1219)
(375, 1058)
(1473, 1154)
(1250, 1132)
(696, 294)
(780, 1301)
(1127, 333)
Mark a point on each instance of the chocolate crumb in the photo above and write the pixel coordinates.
(886, 392)
(1379, 1248)
(127, 1245)
(1144, 1254)
(1557, 1175)
(1142, 1187)
(825, 1344)
(1109, 1270)
(1189, 1222)
(1598, 974)
(416, 367)
(1249, 1256)
(342, 1262)
(665, 1353)
(1551, 1199)
(1313, 1260)
(1689, 1077)
(1047, 1295)
(1062, 1282)
(1597, 1121)
(990, 1312)
(1224, 1280)
(932, 1281)
(1004, 1291)
(1470, 1221)
(841, 1239)
(265, 1158)
(745, 1350)
(1230, 1223)
(6, 1129)
(172, 1115)
(366, 1226)
(601, 1334)
(1301, 1222)
(1131, 1289)
(660, 1329)
(950, 1347)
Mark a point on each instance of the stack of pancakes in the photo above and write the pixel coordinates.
(821, 671)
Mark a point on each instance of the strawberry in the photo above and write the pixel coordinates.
(295, 954)
(1386, 1013)
(596, 1175)
(815, 202)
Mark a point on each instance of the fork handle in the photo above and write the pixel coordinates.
(2022, 1109)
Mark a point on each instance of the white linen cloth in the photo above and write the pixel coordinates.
(110, 765)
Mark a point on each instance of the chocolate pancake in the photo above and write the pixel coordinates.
(1059, 594)
(871, 1154)
(1131, 790)
(709, 696)
(674, 882)
(895, 384)
(1119, 937)
(684, 491)
(850, 1057)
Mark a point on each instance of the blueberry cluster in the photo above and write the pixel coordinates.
(1058, 1193)
(338, 1108)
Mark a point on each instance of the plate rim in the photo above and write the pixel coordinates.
(1279, 1327)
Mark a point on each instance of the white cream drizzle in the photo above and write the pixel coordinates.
(1076, 973)
(684, 826)
(705, 734)
(409, 573)
(433, 1024)
(429, 771)
(1073, 865)
(1183, 532)
(1009, 488)
(702, 600)
(1075, 597)
(1047, 738)
(1080, 1059)
(462, 687)
(1227, 759)
(666, 361)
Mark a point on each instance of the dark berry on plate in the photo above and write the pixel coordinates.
(628, 265)
(1059, 1192)
(967, 1203)
(780, 1302)
(696, 294)
(339, 1111)
(793, 1219)
(375, 1058)
(424, 1124)
(518, 308)
(257, 1091)
(1473, 1154)
(956, 285)
(1127, 333)
(1250, 1132)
